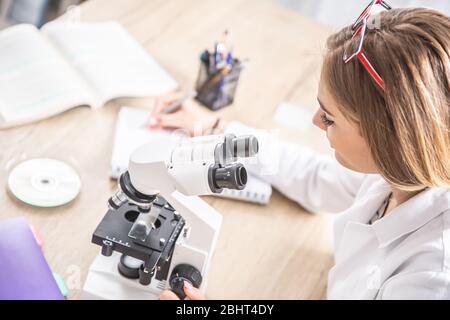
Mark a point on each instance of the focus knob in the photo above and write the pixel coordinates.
(107, 248)
(145, 275)
(181, 273)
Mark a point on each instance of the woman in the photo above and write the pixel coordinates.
(386, 113)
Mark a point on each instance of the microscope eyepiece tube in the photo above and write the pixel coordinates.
(117, 200)
(245, 146)
(126, 192)
(230, 177)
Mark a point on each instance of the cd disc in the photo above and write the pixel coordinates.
(44, 182)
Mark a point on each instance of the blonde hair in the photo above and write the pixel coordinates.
(407, 125)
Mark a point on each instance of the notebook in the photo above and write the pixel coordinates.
(63, 65)
(256, 191)
(131, 134)
(24, 272)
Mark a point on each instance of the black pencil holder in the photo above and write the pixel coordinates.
(216, 88)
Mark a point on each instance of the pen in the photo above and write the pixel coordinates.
(215, 78)
(174, 106)
(204, 57)
(219, 52)
(222, 50)
(229, 58)
(227, 39)
(218, 75)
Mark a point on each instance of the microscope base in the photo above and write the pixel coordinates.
(105, 282)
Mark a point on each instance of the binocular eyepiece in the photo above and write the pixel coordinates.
(232, 176)
(223, 173)
(244, 146)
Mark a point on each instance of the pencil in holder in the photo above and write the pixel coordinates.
(216, 87)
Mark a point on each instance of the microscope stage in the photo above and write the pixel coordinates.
(113, 232)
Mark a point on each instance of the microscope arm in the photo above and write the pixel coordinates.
(205, 223)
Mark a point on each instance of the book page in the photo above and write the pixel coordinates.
(35, 80)
(109, 58)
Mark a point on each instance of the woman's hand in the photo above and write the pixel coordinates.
(191, 292)
(192, 118)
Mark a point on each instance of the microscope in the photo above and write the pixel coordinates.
(157, 232)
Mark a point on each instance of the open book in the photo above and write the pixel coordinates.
(64, 65)
(131, 134)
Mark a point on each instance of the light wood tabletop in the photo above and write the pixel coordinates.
(277, 251)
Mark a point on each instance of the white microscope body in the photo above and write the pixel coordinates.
(165, 242)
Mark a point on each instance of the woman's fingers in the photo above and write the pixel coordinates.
(168, 295)
(193, 293)
(172, 120)
(163, 101)
(155, 120)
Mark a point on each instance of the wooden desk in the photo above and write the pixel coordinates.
(276, 251)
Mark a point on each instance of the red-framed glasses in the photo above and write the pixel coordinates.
(359, 32)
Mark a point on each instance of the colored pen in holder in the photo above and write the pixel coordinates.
(217, 82)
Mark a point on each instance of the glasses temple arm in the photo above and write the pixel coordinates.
(363, 59)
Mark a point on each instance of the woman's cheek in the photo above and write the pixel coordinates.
(331, 135)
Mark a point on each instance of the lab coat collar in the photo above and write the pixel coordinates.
(411, 215)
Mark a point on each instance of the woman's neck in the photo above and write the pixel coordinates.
(398, 197)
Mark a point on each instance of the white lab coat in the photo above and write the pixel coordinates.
(404, 255)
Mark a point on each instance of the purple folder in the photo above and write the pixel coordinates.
(24, 272)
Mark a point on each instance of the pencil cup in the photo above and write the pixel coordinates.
(216, 88)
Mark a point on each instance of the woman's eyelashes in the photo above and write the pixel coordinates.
(327, 122)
